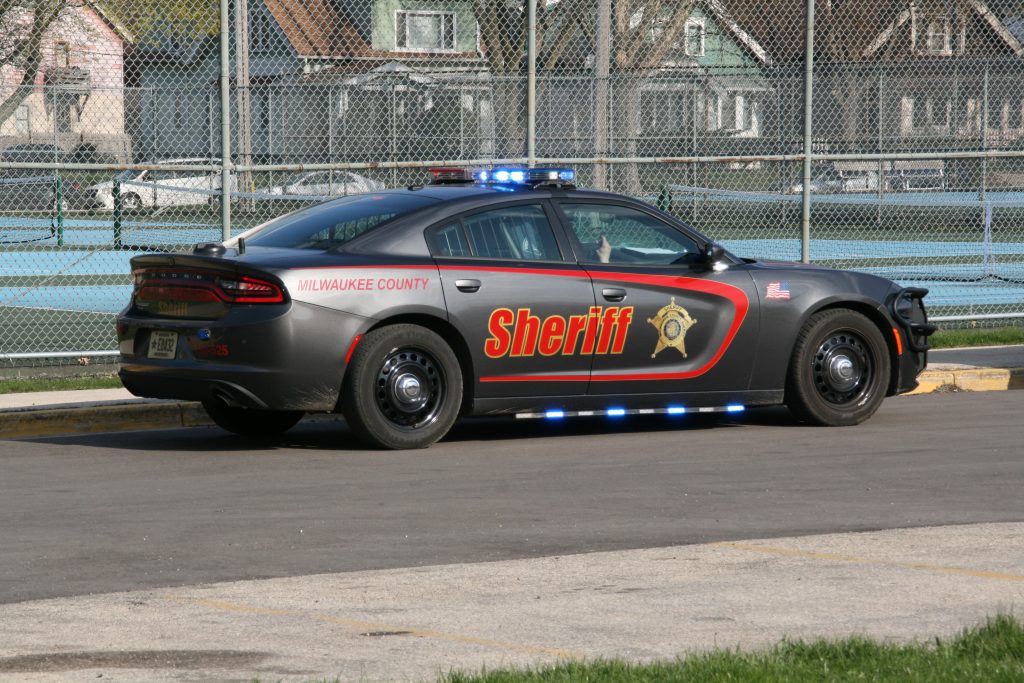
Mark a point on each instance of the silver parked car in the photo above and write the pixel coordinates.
(160, 188)
(326, 184)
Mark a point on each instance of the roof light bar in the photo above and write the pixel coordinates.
(504, 175)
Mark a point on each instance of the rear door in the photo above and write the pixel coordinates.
(684, 328)
(517, 298)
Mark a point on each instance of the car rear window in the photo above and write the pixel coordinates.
(330, 225)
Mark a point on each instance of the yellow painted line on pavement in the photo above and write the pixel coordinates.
(850, 559)
(369, 627)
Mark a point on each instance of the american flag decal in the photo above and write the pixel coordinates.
(777, 290)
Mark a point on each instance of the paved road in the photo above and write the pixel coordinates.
(989, 356)
(124, 511)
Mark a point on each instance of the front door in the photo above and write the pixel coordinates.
(523, 309)
(690, 329)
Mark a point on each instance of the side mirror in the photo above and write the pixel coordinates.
(713, 253)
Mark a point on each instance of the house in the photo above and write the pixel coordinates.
(952, 71)
(328, 81)
(900, 74)
(76, 100)
(709, 83)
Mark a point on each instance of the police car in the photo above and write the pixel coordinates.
(508, 292)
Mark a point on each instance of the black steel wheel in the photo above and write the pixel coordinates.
(403, 387)
(839, 371)
(250, 422)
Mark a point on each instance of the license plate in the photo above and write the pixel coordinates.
(163, 344)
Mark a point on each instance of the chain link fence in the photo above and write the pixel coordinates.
(895, 146)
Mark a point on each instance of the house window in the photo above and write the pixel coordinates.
(22, 122)
(930, 112)
(938, 38)
(694, 37)
(61, 55)
(664, 112)
(1015, 120)
(427, 31)
(262, 33)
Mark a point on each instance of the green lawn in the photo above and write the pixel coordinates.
(21, 386)
(994, 336)
(992, 652)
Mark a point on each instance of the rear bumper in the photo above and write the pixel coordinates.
(288, 358)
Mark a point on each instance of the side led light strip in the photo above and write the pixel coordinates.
(557, 414)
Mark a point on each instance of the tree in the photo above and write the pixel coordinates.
(24, 25)
(843, 32)
(503, 37)
(644, 32)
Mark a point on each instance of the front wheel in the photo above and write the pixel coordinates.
(249, 422)
(403, 388)
(839, 371)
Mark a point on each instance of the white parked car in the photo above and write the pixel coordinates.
(327, 184)
(154, 189)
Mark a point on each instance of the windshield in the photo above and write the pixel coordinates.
(127, 175)
(330, 225)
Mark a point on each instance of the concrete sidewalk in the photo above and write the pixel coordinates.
(413, 624)
(994, 368)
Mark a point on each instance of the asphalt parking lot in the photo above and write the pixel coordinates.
(506, 543)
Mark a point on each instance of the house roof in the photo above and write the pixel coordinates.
(317, 31)
(582, 45)
(987, 14)
(313, 27)
(729, 24)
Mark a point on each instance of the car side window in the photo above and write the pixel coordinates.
(518, 233)
(619, 234)
(449, 240)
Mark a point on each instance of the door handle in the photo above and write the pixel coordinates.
(468, 286)
(613, 293)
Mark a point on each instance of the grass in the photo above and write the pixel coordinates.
(993, 651)
(22, 386)
(992, 336)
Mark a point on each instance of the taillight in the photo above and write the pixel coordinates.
(248, 290)
(201, 286)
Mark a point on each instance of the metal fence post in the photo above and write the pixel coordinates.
(984, 136)
(225, 123)
(531, 84)
(116, 196)
(602, 69)
(805, 223)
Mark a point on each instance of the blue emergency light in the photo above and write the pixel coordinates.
(511, 176)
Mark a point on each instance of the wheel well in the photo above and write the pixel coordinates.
(453, 337)
(884, 327)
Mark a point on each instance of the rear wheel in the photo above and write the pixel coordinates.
(248, 422)
(403, 388)
(839, 371)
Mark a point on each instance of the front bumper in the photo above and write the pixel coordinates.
(907, 309)
(287, 357)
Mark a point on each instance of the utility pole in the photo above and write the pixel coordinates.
(602, 71)
(242, 99)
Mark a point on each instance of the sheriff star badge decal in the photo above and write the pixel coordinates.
(672, 322)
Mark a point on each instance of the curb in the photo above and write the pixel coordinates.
(126, 417)
(96, 419)
(970, 379)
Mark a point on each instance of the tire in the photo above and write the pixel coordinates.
(403, 388)
(839, 372)
(131, 202)
(246, 422)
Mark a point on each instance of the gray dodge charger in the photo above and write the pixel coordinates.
(508, 291)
